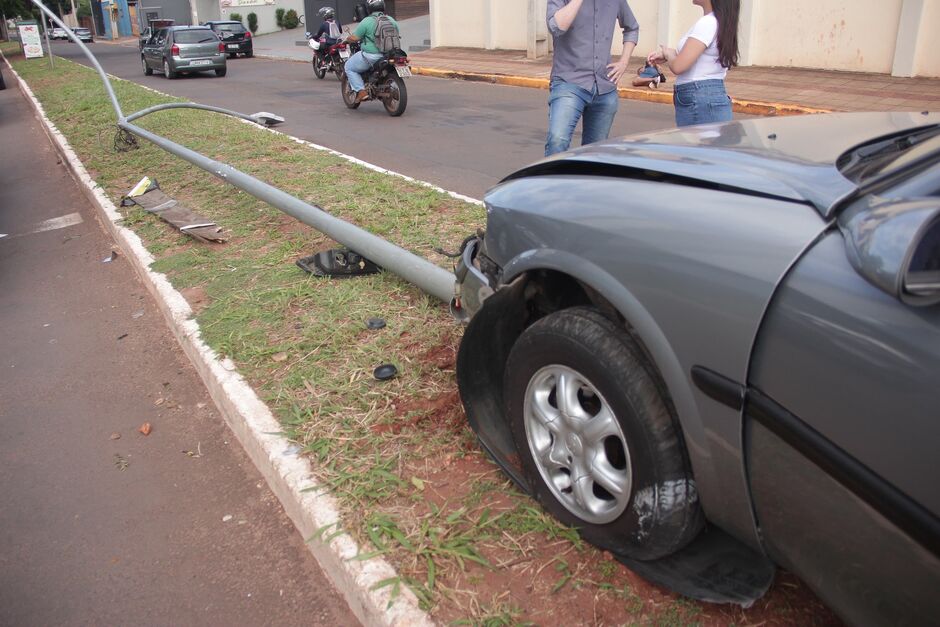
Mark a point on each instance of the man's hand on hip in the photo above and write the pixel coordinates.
(616, 70)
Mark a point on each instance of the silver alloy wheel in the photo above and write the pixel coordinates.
(166, 68)
(143, 61)
(577, 444)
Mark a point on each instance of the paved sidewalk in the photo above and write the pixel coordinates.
(755, 89)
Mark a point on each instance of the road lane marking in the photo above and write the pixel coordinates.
(61, 222)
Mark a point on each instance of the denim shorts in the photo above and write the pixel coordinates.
(701, 102)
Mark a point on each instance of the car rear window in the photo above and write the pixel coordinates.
(229, 28)
(196, 36)
(80, 31)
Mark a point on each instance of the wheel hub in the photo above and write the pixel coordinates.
(577, 444)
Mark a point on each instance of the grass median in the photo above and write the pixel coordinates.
(413, 485)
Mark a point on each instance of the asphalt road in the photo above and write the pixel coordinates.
(462, 136)
(100, 524)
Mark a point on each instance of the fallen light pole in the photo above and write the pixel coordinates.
(428, 277)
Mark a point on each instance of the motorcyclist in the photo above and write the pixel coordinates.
(329, 32)
(369, 54)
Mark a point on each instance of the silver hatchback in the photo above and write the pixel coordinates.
(178, 49)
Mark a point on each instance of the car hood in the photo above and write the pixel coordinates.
(789, 157)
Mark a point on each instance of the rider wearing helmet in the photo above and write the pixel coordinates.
(369, 54)
(329, 31)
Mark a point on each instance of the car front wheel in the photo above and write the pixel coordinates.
(596, 438)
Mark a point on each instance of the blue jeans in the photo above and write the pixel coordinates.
(701, 102)
(357, 64)
(568, 103)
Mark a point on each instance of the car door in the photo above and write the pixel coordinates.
(843, 420)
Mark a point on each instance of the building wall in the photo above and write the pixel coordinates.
(267, 21)
(886, 36)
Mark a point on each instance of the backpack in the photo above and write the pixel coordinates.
(386, 34)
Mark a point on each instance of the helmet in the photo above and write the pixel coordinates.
(326, 13)
(375, 5)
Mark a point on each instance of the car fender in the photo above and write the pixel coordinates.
(690, 269)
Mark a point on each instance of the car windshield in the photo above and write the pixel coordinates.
(886, 155)
(229, 28)
(200, 36)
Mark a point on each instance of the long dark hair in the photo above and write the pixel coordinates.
(726, 12)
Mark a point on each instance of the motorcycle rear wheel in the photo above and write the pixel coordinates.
(396, 96)
(318, 68)
(349, 96)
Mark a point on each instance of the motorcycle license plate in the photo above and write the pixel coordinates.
(403, 70)
(344, 54)
(232, 46)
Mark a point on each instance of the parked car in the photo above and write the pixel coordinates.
(183, 49)
(235, 36)
(717, 348)
(58, 33)
(83, 34)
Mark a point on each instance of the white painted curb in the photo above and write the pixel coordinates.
(289, 475)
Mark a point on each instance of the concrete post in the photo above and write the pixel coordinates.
(909, 34)
(435, 11)
(747, 31)
(489, 24)
(536, 30)
(664, 27)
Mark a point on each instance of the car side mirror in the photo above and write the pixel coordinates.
(895, 245)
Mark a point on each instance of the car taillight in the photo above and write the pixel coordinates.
(221, 47)
(175, 50)
(247, 34)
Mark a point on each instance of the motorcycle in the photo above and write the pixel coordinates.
(328, 58)
(385, 82)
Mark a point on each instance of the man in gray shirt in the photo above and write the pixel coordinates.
(584, 82)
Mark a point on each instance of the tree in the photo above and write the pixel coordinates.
(291, 19)
(252, 23)
(279, 17)
(235, 16)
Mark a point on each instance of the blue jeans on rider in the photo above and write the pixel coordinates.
(568, 103)
(357, 64)
(701, 102)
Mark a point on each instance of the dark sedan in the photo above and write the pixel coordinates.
(717, 349)
(235, 36)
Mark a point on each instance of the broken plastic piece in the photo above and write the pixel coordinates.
(337, 262)
(375, 323)
(385, 372)
(153, 200)
(110, 257)
(266, 118)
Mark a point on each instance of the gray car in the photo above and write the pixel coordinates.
(183, 49)
(716, 349)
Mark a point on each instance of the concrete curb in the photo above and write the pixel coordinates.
(289, 474)
(752, 107)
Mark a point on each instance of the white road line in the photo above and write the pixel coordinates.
(62, 222)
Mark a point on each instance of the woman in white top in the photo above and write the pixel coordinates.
(701, 63)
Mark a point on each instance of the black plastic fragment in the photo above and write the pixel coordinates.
(385, 372)
(375, 323)
(714, 567)
(337, 262)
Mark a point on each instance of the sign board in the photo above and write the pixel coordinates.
(227, 4)
(30, 38)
